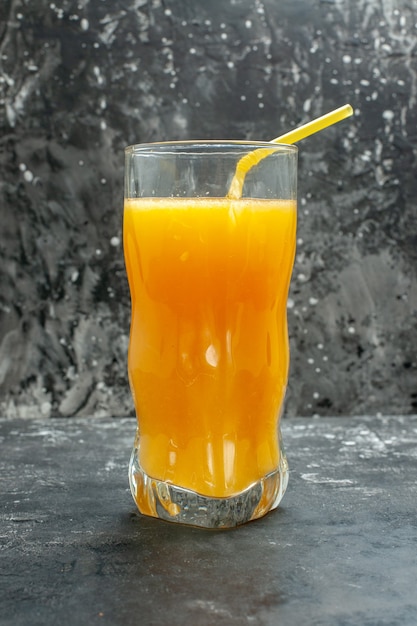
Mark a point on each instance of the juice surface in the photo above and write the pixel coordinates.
(208, 353)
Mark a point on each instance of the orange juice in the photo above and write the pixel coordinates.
(208, 354)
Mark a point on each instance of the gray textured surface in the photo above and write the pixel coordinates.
(340, 551)
(80, 80)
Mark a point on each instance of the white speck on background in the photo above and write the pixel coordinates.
(307, 105)
(388, 115)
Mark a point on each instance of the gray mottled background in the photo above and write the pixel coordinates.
(79, 80)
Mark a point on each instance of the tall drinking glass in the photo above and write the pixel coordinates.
(208, 353)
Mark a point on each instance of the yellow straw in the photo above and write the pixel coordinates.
(252, 158)
(315, 125)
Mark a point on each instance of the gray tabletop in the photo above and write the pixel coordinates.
(340, 550)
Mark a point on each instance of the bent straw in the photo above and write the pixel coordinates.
(253, 158)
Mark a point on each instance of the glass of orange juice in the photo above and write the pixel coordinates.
(208, 358)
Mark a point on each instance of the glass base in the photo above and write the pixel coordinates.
(175, 504)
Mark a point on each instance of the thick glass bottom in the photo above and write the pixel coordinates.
(174, 504)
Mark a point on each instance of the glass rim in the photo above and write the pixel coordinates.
(178, 147)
